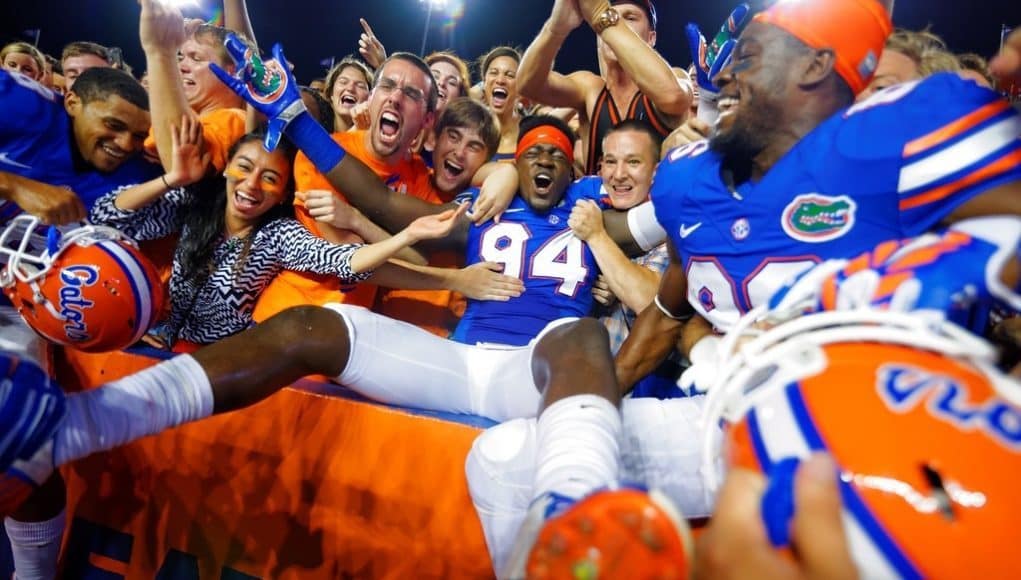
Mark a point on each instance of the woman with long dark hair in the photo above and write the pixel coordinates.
(237, 232)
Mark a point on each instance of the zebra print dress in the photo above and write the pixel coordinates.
(204, 311)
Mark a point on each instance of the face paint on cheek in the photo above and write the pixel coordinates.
(239, 174)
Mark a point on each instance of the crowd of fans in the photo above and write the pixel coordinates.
(245, 225)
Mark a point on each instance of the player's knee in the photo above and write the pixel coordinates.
(582, 337)
(500, 467)
(313, 333)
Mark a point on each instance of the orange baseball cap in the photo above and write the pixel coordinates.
(856, 30)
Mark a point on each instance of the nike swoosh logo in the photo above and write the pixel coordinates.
(513, 209)
(5, 158)
(687, 231)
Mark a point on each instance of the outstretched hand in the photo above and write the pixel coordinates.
(486, 281)
(434, 226)
(265, 84)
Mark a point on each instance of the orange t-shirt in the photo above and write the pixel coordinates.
(435, 310)
(220, 130)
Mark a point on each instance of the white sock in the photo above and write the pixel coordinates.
(578, 446)
(173, 392)
(36, 546)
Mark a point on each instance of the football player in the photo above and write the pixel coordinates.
(57, 156)
(792, 176)
(875, 339)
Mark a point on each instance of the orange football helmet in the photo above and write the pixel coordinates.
(925, 431)
(89, 288)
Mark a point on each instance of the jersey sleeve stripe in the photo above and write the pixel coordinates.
(955, 128)
(961, 155)
(1000, 166)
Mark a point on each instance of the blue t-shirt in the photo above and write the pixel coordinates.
(890, 167)
(557, 268)
(36, 142)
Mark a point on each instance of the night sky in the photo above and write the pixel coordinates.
(313, 30)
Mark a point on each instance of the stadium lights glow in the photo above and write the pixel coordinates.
(182, 3)
(434, 3)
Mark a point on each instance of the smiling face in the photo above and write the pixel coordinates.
(458, 154)
(349, 89)
(107, 131)
(500, 86)
(398, 108)
(755, 92)
(629, 161)
(256, 181)
(448, 81)
(544, 172)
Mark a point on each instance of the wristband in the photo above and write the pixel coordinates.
(314, 141)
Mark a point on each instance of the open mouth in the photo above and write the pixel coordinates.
(727, 104)
(389, 125)
(499, 96)
(452, 169)
(243, 201)
(442, 95)
(348, 100)
(542, 181)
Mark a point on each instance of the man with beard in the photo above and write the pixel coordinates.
(792, 177)
(635, 81)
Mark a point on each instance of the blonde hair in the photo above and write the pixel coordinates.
(25, 48)
(928, 51)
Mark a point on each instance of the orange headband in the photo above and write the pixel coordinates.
(856, 30)
(545, 134)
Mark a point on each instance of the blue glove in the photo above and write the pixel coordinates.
(31, 408)
(265, 84)
(272, 90)
(711, 58)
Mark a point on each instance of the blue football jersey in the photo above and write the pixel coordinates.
(890, 167)
(36, 142)
(557, 268)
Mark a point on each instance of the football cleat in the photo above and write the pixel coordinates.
(624, 533)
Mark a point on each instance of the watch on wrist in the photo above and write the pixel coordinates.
(605, 19)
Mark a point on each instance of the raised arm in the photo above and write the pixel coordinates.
(536, 77)
(669, 90)
(236, 18)
(286, 113)
(656, 330)
(161, 32)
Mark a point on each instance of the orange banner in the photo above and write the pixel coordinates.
(311, 483)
